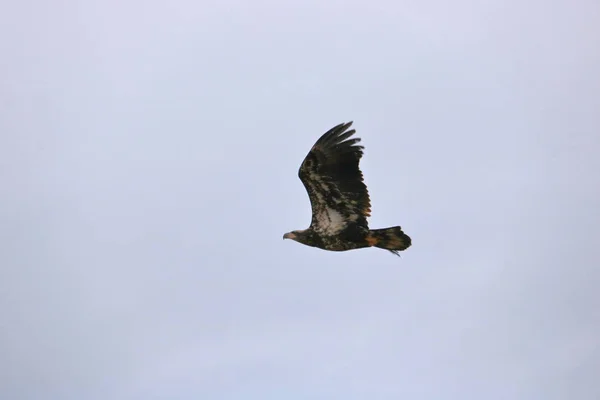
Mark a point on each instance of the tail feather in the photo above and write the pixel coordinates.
(392, 239)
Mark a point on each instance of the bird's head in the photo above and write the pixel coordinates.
(298, 236)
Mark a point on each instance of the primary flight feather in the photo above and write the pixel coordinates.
(340, 199)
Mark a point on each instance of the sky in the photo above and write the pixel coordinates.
(148, 170)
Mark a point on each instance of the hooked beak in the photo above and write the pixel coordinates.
(289, 235)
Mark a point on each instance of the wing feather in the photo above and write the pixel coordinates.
(331, 175)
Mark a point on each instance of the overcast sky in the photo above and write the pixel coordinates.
(148, 167)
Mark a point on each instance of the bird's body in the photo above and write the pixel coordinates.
(340, 199)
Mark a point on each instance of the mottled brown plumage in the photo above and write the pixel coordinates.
(339, 198)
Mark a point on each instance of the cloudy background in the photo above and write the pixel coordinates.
(148, 168)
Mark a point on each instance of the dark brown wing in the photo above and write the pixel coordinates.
(334, 182)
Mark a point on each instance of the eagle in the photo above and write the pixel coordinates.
(339, 198)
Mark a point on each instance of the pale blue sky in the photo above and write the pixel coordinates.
(148, 168)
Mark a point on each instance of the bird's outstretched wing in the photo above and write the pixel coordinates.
(334, 182)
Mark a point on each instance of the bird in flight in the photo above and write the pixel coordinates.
(340, 199)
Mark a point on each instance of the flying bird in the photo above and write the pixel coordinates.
(340, 199)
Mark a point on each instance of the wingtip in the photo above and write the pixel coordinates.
(342, 126)
(341, 135)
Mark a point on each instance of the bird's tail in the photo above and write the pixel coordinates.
(392, 239)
